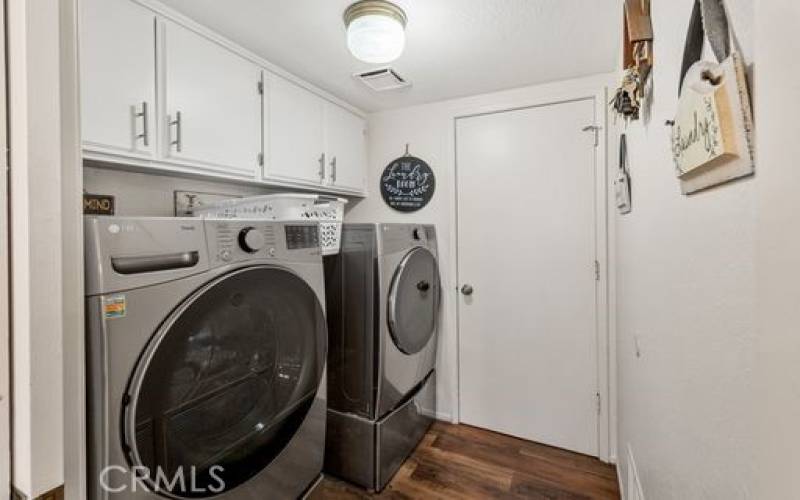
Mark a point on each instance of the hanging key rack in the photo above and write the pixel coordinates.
(630, 98)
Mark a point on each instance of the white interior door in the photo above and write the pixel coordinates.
(216, 93)
(526, 244)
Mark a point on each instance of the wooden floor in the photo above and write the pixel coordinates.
(462, 462)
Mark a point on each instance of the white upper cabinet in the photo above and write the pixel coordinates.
(346, 146)
(160, 91)
(118, 82)
(294, 133)
(212, 104)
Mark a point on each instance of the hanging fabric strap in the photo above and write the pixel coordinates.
(715, 24)
(708, 19)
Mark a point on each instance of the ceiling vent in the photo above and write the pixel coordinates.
(383, 79)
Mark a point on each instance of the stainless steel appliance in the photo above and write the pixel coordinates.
(206, 364)
(383, 294)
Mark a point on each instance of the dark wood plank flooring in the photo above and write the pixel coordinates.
(463, 462)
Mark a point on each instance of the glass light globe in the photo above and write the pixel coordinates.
(376, 39)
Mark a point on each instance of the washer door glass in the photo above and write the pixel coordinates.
(414, 301)
(226, 382)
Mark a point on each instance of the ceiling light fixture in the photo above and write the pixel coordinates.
(375, 30)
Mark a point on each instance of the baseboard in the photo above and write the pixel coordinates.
(633, 491)
(443, 416)
(438, 415)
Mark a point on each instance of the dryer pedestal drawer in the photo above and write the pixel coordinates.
(350, 448)
(369, 453)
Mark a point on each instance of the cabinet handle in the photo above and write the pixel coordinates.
(333, 169)
(145, 135)
(178, 142)
(322, 167)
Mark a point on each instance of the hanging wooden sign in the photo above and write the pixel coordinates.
(407, 184)
(703, 133)
(712, 134)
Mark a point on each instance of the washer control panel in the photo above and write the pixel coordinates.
(299, 237)
(223, 244)
(238, 240)
(251, 239)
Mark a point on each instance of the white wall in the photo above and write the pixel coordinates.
(686, 295)
(777, 401)
(429, 131)
(152, 195)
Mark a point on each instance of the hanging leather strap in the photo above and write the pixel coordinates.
(708, 19)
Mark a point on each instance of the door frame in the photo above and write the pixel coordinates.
(604, 252)
(46, 246)
(5, 281)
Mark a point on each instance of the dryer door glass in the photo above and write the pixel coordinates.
(226, 382)
(414, 301)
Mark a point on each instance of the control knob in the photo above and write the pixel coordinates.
(251, 240)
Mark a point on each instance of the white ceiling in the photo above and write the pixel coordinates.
(454, 48)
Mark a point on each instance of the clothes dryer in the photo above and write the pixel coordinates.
(383, 292)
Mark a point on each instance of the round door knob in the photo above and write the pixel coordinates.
(423, 286)
(251, 240)
(467, 290)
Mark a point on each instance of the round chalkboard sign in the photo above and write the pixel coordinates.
(407, 184)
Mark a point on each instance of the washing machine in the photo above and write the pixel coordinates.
(207, 343)
(383, 293)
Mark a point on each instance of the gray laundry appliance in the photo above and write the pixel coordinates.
(207, 342)
(383, 293)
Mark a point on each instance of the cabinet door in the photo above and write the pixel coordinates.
(118, 77)
(212, 104)
(347, 148)
(294, 130)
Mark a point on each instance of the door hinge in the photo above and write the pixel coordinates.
(599, 403)
(596, 270)
(596, 130)
(260, 159)
(260, 87)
